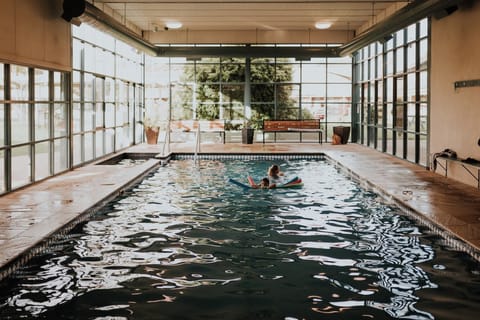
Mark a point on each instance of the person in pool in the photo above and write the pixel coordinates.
(275, 175)
(264, 184)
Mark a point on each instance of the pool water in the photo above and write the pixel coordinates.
(186, 244)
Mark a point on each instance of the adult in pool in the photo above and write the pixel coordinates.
(275, 175)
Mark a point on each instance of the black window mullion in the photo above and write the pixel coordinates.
(8, 129)
(31, 116)
(51, 129)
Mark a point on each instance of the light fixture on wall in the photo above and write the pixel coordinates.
(173, 25)
(323, 25)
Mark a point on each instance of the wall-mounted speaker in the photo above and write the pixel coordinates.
(73, 9)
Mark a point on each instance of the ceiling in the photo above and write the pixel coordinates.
(236, 15)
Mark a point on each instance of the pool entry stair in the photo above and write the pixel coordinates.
(30, 217)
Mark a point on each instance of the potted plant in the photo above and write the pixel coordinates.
(247, 133)
(152, 129)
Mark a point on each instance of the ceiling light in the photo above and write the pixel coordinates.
(173, 25)
(323, 25)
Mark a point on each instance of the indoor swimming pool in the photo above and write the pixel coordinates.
(187, 244)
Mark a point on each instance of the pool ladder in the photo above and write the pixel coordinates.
(197, 144)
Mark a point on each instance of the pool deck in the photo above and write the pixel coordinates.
(32, 214)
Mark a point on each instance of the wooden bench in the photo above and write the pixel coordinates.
(217, 126)
(300, 126)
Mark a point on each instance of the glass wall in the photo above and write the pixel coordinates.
(390, 107)
(36, 105)
(280, 88)
(108, 94)
(34, 112)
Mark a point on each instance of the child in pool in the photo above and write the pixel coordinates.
(264, 184)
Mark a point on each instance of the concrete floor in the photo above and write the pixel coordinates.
(30, 215)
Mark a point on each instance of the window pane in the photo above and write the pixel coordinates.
(389, 63)
(389, 89)
(340, 73)
(399, 117)
(88, 151)
(262, 92)
(76, 86)
(42, 121)
(60, 86)
(379, 92)
(399, 85)
(412, 32)
(77, 53)
(411, 56)
(423, 86)
(400, 60)
(232, 72)
(399, 37)
(411, 87)
(411, 147)
(109, 115)
(99, 115)
(339, 92)
(2, 171)
(77, 149)
(340, 112)
(423, 28)
(19, 83)
(99, 94)
(89, 61)
(41, 85)
(314, 110)
(88, 87)
(389, 115)
(60, 155)
(109, 90)
(380, 115)
(399, 144)
(423, 118)
(2, 125)
(77, 120)
(2, 87)
(411, 114)
(42, 160)
(109, 140)
(99, 143)
(423, 54)
(88, 117)
(20, 123)
(21, 166)
(379, 61)
(314, 72)
(60, 120)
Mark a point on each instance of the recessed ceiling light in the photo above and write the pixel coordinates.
(323, 25)
(173, 25)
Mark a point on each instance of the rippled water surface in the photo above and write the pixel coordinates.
(186, 244)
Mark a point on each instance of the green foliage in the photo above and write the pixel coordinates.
(263, 74)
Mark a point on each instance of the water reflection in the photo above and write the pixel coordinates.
(190, 241)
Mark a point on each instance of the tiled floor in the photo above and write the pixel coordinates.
(30, 215)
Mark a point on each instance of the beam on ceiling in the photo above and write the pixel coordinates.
(411, 13)
(248, 51)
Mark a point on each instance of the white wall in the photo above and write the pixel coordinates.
(34, 34)
(455, 113)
